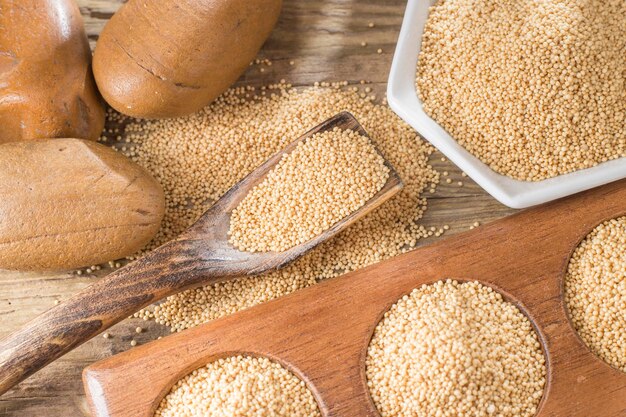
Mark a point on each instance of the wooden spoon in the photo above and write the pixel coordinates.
(200, 256)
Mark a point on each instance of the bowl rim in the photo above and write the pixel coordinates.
(403, 100)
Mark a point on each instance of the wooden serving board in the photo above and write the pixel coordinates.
(322, 333)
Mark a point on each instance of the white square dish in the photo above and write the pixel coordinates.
(403, 99)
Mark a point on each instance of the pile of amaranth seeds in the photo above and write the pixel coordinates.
(199, 157)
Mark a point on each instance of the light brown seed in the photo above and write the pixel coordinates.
(595, 291)
(493, 359)
(239, 386)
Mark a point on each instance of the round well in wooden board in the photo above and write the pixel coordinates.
(589, 229)
(231, 354)
(508, 297)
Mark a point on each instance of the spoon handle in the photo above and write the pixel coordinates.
(169, 269)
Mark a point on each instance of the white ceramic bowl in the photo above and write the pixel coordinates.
(514, 193)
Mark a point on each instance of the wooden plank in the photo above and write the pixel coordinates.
(525, 257)
(323, 38)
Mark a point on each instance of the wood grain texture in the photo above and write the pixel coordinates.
(321, 333)
(323, 38)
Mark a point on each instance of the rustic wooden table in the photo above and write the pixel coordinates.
(324, 38)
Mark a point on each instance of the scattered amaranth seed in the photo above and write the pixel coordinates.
(453, 349)
(595, 291)
(199, 157)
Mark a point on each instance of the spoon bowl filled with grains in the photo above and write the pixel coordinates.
(303, 195)
(527, 97)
